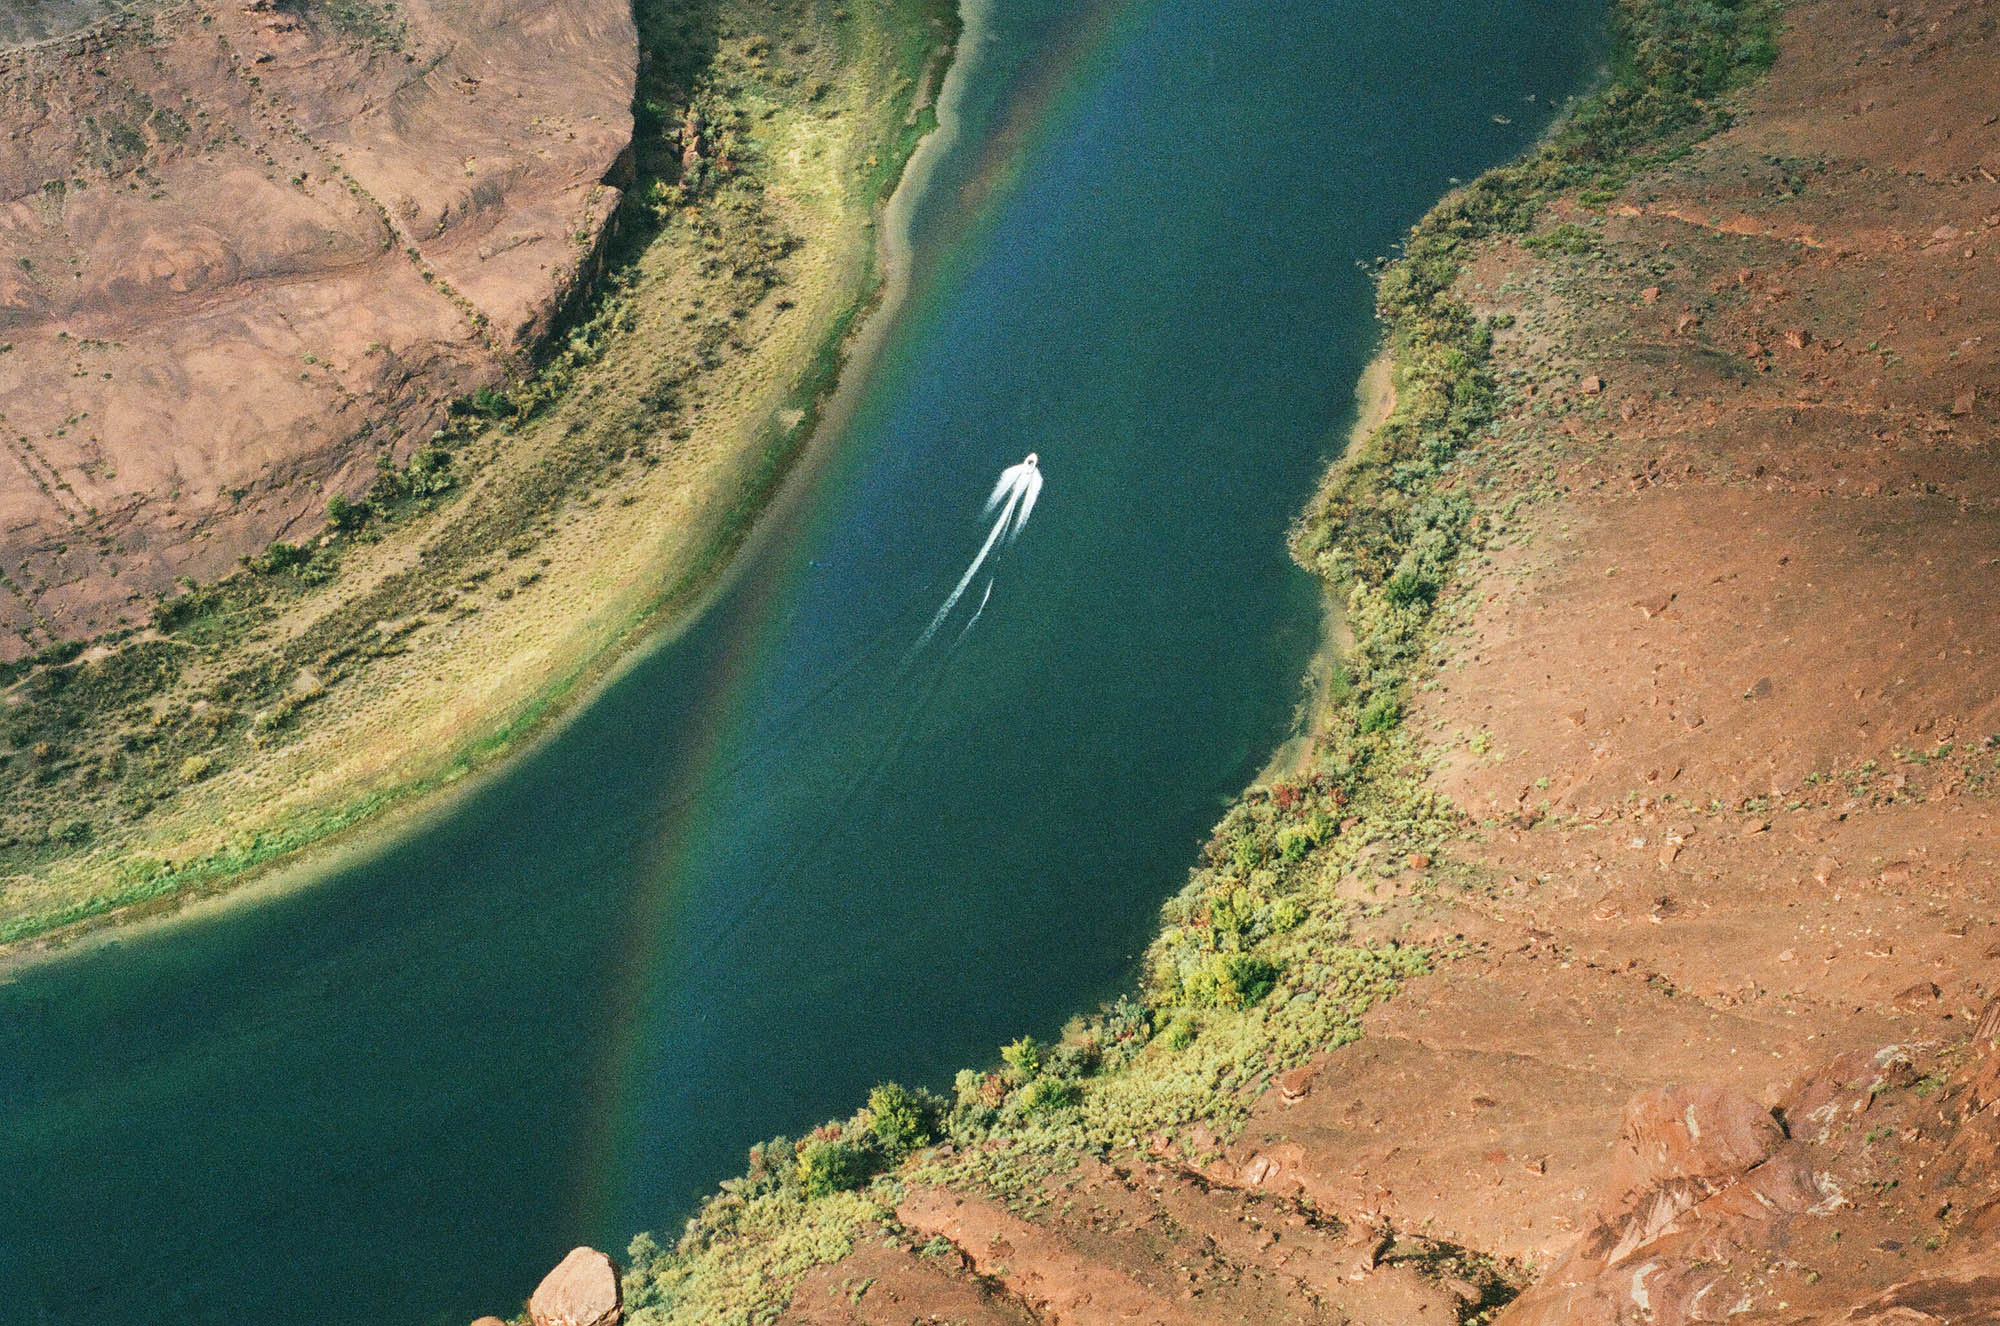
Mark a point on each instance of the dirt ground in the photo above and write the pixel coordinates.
(1719, 705)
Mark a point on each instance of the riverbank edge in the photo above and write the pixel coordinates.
(1384, 535)
(311, 843)
(1374, 402)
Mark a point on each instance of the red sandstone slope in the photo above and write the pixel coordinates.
(249, 246)
(1720, 708)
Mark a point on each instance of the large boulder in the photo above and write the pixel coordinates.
(1700, 1133)
(581, 1291)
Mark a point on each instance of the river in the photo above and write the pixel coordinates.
(788, 854)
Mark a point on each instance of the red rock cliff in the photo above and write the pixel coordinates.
(250, 246)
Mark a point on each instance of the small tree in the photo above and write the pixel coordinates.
(830, 1167)
(900, 1120)
(345, 516)
(1024, 1056)
(279, 557)
(1046, 1095)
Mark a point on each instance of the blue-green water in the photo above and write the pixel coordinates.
(783, 857)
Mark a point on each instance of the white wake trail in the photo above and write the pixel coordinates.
(1014, 496)
(1011, 478)
(1031, 488)
(985, 551)
(980, 611)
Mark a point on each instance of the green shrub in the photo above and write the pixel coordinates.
(831, 1167)
(1046, 1095)
(322, 566)
(1230, 980)
(427, 475)
(1246, 851)
(491, 404)
(279, 557)
(135, 870)
(1024, 1056)
(1231, 911)
(1567, 238)
(1381, 713)
(1294, 842)
(900, 1120)
(345, 516)
(773, 1167)
(171, 614)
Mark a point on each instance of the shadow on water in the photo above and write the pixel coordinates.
(783, 858)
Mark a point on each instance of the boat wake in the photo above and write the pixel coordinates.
(1014, 497)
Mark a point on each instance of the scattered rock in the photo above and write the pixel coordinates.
(1688, 1157)
(581, 1291)
(1592, 385)
(1916, 997)
(1361, 1251)
(1986, 1031)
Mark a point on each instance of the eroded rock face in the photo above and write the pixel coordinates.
(1700, 1172)
(250, 246)
(1966, 1291)
(1885, 1177)
(581, 1291)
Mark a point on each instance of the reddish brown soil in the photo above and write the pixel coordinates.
(882, 1283)
(1716, 702)
(247, 251)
